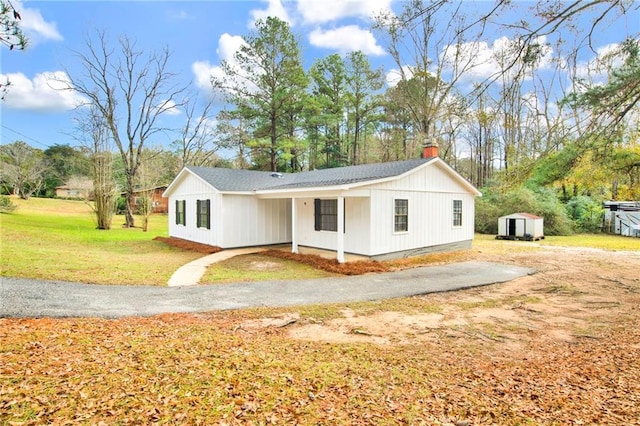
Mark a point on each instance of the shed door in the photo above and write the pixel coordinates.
(511, 227)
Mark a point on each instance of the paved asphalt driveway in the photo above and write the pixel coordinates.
(31, 298)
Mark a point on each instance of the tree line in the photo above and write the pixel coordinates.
(536, 126)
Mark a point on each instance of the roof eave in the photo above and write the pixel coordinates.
(289, 191)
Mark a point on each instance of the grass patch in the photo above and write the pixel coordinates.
(598, 241)
(260, 267)
(489, 245)
(561, 289)
(428, 259)
(486, 242)
(57, 240)
(497, 303)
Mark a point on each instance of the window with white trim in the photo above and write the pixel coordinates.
(203, 211)
(180, 212)
(457, 212)
(325, 215)
(401, 215)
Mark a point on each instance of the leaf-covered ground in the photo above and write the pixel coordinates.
(559, 347)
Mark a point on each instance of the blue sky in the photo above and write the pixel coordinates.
(198, 33)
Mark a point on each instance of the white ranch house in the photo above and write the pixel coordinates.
(381, 211)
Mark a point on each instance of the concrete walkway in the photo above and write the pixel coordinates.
(192, 272)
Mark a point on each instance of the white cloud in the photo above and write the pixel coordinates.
(169, 107)
(274, 8)
(482, 60)
(46, 92)
(228, 45)
(320, 11)
(597, 68)
(345, 39)
(203, 71)
(394, 76)
(34, 25)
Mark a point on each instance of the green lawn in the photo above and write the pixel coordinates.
(256, 267)
(57, 240)
(597, 241)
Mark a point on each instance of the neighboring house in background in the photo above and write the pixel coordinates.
(64, 191)
(79, 189)
(158, 202)
(383, 211)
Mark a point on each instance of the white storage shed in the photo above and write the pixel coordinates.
(520, 226)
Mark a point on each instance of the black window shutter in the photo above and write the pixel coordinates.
(316, 214)
(184, 212)
(198, 224)
(177, 212)
(208, 214)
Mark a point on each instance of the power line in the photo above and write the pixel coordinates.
(25, 136)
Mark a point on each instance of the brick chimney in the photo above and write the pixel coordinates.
(430, 149)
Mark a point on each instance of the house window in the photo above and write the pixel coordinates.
(180, 212)
(401, 215)
(326, 215)
(203, 217)
(457, 212)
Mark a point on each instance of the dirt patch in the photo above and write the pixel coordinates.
(577, 294)
(264, 266)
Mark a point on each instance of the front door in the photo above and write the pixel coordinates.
(511, 227)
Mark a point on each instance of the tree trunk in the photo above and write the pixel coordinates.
(128, 211)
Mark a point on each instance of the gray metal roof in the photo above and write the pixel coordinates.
(233, 180)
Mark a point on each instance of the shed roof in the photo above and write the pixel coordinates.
(524, 215)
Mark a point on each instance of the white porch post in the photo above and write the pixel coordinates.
(294, 225)
(340, 247)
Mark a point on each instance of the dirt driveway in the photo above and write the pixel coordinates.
(576, 294)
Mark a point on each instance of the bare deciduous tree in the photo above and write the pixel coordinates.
(198, 141)
(94, 135)
(130, 92)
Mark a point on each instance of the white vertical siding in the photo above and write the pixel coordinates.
(430, 192)
(430, 220)
(253, 221)
(433, 177)
(356, 226)
(524, 225)
(192, 189)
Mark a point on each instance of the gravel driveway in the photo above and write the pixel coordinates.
(32, 298)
